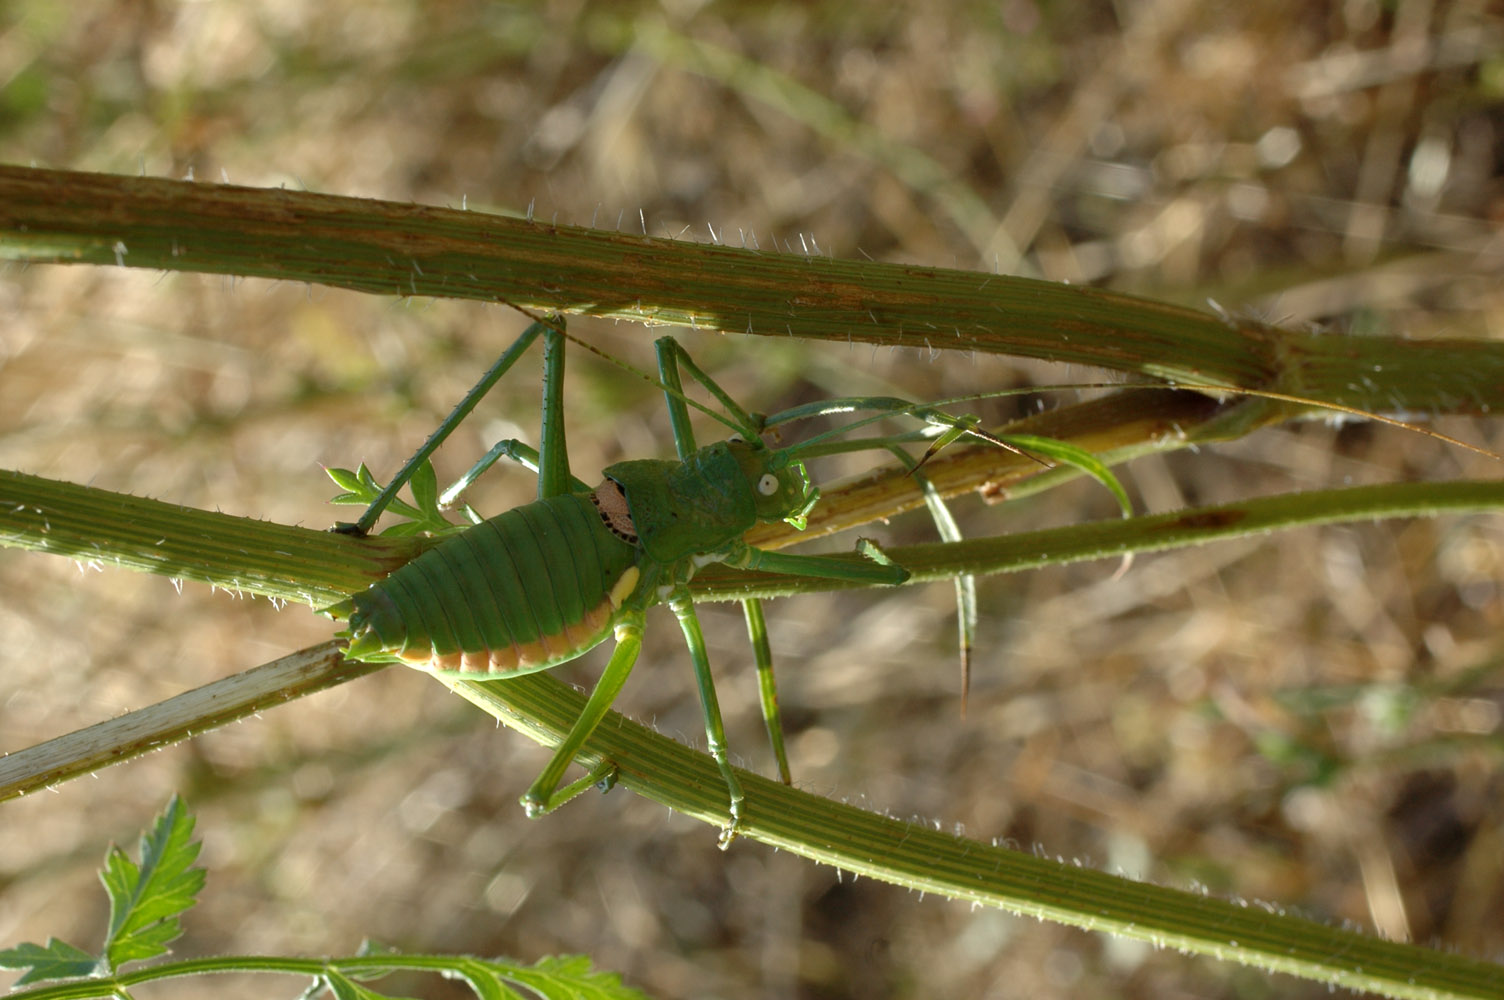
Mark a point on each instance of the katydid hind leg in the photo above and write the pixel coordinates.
(456, 416)
(545, 794)
(553, 452)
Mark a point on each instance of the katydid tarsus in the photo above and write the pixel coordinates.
(539, 585)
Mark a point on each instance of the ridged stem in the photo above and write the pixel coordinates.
(393, 249)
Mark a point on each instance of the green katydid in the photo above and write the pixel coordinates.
(541, 584)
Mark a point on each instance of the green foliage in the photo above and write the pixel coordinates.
(146, 899)
(54, 960)
(361, 488)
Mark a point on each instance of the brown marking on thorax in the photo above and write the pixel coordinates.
(611, 503)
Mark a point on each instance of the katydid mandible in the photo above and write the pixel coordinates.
(539, 585)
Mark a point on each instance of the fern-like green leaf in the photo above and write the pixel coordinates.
(145, 899)
(484, 980)
(573, 976)
(570, 976)
(54, 960)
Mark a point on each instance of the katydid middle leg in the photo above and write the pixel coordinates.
(508, 448)
(715, 729)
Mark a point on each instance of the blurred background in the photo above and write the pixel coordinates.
(1310, 720)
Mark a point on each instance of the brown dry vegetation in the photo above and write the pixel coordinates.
(1312, 720)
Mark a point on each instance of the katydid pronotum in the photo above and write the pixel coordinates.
(541, 584)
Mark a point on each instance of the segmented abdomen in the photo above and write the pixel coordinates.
(528, 589)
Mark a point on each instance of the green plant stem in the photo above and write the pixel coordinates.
(317, 568)
(215, 704)
(393, 249)
(1151, 533)
(238, 554)
(354, 966)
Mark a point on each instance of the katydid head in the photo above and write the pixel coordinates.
(780, 488)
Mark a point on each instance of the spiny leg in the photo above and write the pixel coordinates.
(715, 729)
(956, 427)
(670, 357)
(668, 352)
(545, 794)
(880, 570)
(876, 570)
(555, 479)
(456, 416)
(602, 776)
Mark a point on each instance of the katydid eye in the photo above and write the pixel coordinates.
(768, 484)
